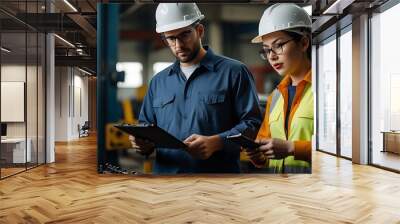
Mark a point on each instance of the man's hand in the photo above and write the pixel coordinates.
(275, 148)
(202, 147)
(143, 147)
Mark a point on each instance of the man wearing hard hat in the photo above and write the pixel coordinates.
(200, 99)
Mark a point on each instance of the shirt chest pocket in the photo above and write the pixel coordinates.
(163, 107)
(163, 101)
(212, 106)
(306, 113)
(276, 124)
(303, 121)
(274, 117)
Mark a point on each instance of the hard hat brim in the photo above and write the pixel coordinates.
(178, 25)
(258, 39)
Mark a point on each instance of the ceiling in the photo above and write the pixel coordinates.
(72, 20)
(76, 22)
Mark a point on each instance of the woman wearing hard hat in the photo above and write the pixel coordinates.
(285, 135)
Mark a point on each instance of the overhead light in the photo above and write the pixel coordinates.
(5, 50)
(308, 9)
(70, 5)
(338, 6)
(330, 8)
(64, 40)
(84, 71)
(80, 51)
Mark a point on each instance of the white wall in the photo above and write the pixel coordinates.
(13, 73)
(61, 103)
(71, 94)
(79, 117)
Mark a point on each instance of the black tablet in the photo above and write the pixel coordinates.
(154, 134)
(243, 141)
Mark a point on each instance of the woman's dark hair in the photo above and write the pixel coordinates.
(297, 37)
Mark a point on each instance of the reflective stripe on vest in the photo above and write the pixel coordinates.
(301, 128)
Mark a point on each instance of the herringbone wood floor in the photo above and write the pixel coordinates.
(70, 191)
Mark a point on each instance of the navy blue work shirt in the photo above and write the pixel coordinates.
(218, 98)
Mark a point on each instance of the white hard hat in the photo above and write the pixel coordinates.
(282, 16)
(172, 16)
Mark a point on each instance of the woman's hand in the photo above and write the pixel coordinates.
(275, 148)
(256, 157)
(270, 149)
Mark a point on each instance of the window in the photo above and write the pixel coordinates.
(22, 65)
(133, 74)
(327, 95)
(346, 93)
(385, 88)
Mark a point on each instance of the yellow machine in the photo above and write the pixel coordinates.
(118, 140)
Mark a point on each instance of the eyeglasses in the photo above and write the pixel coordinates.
(183, 37)
(276, 48)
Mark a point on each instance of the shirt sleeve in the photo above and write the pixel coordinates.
(246, 105)
(302, 150)
(264, 132)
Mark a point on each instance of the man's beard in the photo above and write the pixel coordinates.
(192, 55)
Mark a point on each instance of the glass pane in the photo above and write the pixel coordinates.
(346, 94)
(8, 24)
(327, 96)
(31, 97)
(385, 86)
(14, 153)
(41, 99)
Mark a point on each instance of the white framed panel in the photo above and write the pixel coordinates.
(12, 101)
